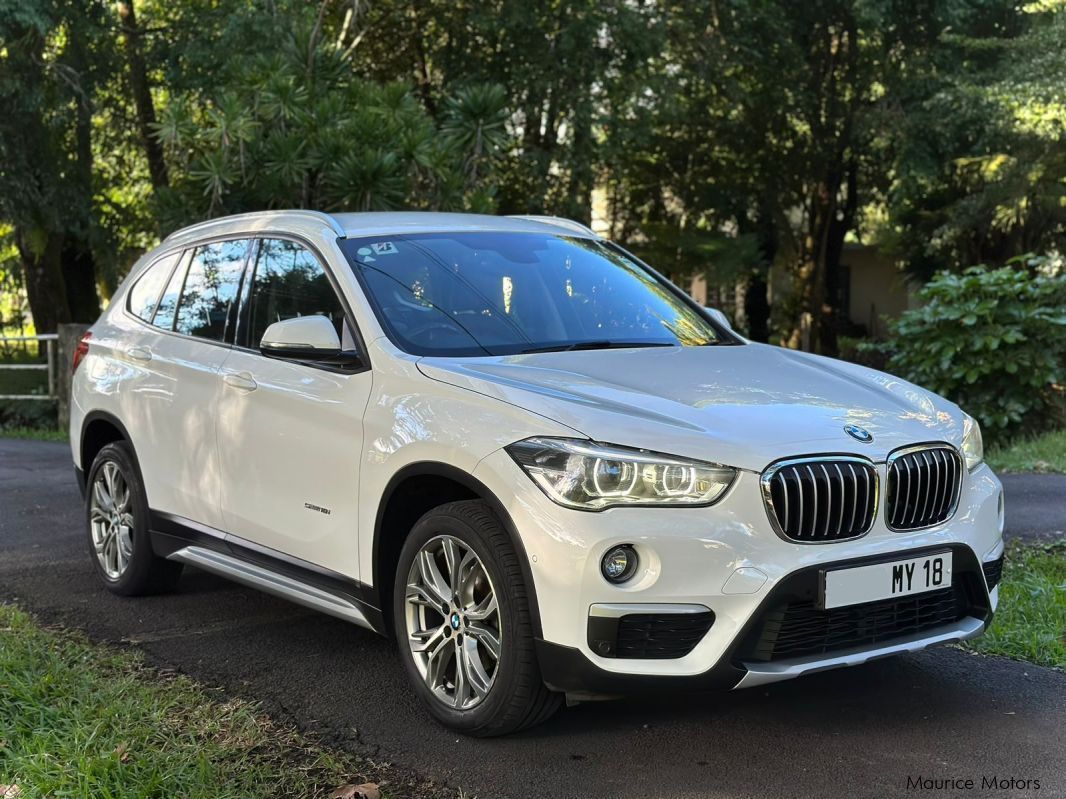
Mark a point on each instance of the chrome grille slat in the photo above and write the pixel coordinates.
(814, 504)
(923, 486)
(854, 495)
(936, 492)
(840, 505)
(928, 462)
(818, 512)
(917, 489)
(784, 493)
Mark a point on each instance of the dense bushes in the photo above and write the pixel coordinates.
(992, 340)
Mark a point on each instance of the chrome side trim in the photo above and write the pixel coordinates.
(771, 471)
(763, 673)
(615, 610)
(271, 582)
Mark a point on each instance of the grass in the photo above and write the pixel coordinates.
(22, 381)
(1030, 623)
(35, 433)
(1045, 453)
(78, 720)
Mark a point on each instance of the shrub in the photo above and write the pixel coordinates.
(37, 414)
(992, 340)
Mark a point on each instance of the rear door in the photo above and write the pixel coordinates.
(178, 354)
(290, 434)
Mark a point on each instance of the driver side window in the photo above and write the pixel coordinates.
(289, 282)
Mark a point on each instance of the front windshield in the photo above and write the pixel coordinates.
(501, 293)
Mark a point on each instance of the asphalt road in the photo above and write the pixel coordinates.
(860, 732)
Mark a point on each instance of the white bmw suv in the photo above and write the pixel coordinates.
(526, 455)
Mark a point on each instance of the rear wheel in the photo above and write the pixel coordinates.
(463, 623)
(117, 520)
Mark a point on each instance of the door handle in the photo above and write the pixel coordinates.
(141, 354)
(240, 380)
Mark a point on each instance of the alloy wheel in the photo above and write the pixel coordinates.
(453, 622)
(111, 520)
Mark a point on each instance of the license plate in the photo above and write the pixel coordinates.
(886, 580)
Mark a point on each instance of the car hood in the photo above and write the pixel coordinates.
(745, 405)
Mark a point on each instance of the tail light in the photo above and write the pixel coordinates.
(80, 351)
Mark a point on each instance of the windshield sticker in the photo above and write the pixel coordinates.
(384, 248)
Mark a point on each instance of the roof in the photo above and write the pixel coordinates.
(374, 223)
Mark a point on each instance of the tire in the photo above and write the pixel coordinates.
(127, 566)
(516, 697)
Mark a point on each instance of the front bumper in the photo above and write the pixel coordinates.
(726, 559)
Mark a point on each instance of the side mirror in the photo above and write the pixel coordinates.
(719, 317)
(302, 338)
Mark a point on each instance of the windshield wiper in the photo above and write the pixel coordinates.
(604, 344)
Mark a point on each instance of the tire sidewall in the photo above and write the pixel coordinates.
(121, 455)
(430, 526)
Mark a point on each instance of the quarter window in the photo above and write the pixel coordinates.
(145, 292)
(289, 281)
(168, 303)
(210, 291)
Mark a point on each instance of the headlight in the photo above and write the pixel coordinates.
(580, 474)
(973, 447)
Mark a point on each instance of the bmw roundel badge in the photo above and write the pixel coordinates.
(858, 433)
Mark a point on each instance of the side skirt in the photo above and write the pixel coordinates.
(226, 555)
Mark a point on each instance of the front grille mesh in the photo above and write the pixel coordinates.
(818, 500)
(800, 629)
(660, 636)
(923, 487)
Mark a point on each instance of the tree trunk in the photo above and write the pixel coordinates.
(142, 96)
(79, 280)
(45, 287)
(756, 293)
(78, 262)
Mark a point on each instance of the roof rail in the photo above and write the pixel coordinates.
(559, 221)
(257, 215)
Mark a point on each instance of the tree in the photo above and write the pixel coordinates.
(980, 169)
(46, 87)
(291, 124)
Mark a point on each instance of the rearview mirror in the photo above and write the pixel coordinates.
(304, 338)
(719, 317)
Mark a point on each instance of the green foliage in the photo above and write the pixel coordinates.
(292, 125)
(36, 433)
(83, 720)
(26, 414)
(1032, 606)
(715, 137)
(992, 340)
(978, 169)
(1041, 453)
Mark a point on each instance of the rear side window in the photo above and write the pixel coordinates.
(206, 307)
(145, 292)
(168, 303)
(289, 281)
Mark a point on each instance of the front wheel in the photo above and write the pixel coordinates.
(463, 624)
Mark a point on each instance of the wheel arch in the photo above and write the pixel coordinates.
(98, 429)
(387, 544)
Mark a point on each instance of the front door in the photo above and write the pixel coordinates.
(290, 435)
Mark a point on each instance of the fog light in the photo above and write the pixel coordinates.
(619, 564)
